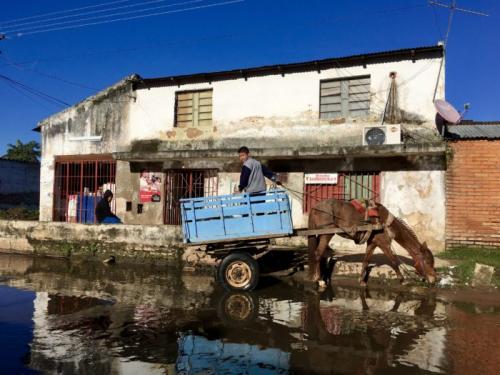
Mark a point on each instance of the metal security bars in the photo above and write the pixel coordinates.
(180, 184)
(78, 187)
(349, 186)
(193, 108)
(345, 97)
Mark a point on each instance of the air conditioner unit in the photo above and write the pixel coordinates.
(382, 135)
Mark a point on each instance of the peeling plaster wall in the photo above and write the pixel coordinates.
(418, 197)
(268, 111)
(274, 106)
(127, 190)
(105, 115)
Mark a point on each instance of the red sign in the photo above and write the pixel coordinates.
(149, 187)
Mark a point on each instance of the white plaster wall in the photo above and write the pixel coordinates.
(292, 96)
(262, 107)
(418, 197)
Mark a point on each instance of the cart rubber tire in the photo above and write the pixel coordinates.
(239, 271)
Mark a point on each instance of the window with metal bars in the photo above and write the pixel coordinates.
(78, 187)
(193, 108)
(345, 97)
(181, 184)
(349, 186)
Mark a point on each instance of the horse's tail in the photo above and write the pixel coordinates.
(312, 245)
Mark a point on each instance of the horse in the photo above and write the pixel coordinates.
(333, 213)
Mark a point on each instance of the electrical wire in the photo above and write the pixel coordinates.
(155, 45)
(16, 25)
(35, 92)
(10, 35)
(62, 12)
(24, 30)
(47, 75)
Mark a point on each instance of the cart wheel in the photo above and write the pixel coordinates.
(239, 271)
(237, 308)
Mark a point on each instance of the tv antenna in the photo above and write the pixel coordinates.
(453, 8)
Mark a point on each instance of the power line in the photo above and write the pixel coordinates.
(128, 18)
(31, 98)
(322, 20)
(22, 30)
(35, 92)
(51, 76)
(79, 14)
(62, 11)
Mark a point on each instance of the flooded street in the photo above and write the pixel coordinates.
(58, 316)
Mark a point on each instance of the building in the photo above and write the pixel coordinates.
(19, 184)
(473, 185)
(154, 141)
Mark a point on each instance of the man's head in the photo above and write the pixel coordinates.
(108, 195)
(244, 153)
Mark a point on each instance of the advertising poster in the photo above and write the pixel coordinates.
(149, 187)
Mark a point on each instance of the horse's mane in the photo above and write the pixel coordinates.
(402, 226)
(406, 226)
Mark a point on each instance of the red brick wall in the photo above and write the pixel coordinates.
(473, 194)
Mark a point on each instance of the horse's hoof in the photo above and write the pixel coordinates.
(321, 284)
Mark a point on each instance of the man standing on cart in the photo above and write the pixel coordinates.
(252, 173)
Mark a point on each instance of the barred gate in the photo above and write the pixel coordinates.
(78, 187)
(350, 185)
(181, 184)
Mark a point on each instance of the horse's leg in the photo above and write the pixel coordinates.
(321, 252)
(370, 248)
(393, 260)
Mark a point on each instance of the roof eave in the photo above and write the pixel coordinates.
(315, 65)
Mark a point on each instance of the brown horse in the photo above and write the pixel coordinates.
(342, 214)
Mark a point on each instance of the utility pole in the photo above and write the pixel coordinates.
(452, 7)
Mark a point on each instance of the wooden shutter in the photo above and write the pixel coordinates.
(345, 98)
(193, 108)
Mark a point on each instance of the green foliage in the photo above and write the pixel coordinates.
(19, 213)
(23, 151)
(468, 257)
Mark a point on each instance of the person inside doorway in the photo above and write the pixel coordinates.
(252, 173)
(103, 212)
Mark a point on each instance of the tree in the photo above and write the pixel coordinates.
(23, 151)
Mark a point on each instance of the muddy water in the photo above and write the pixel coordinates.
(62, 317)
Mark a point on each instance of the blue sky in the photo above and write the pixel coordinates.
(243, 34)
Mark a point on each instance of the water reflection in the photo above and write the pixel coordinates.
(88, 318)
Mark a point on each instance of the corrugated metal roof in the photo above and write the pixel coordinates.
(315, 65)
(474, 122)
(474, 131)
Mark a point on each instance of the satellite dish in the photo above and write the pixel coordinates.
(447, 111)
(446, 114)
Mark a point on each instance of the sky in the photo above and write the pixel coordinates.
(72, 64)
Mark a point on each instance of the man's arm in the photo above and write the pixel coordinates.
(244, 176)
(268, 173)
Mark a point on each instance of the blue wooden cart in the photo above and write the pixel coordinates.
(237, 229)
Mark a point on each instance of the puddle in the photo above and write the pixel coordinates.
(63, 317)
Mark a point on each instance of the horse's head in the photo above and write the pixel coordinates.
(425, 264)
